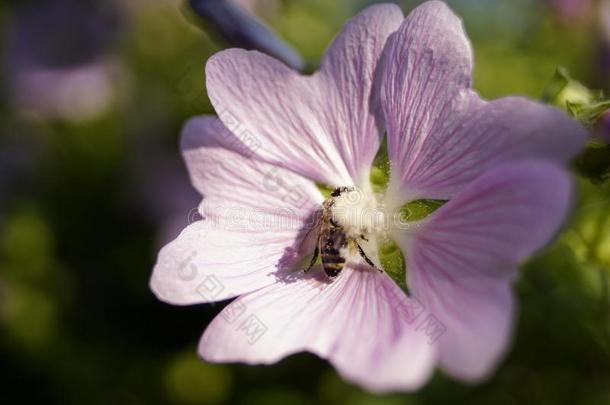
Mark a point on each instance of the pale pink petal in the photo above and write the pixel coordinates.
(322, 126)
(346, 85)
(255, 217)
(441, 135)
(426, 68)
(461, 259)
(225, 173)
(362, 322)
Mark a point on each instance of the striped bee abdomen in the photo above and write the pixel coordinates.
(332, 243)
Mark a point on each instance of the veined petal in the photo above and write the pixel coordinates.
(225, 173)
(255, 217)
(322, 126)
(461, 259)
(441, 135)
(426, 66)
(208, 263)
(351, 106)
(362, 322)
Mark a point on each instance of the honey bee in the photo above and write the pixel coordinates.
(332, 241)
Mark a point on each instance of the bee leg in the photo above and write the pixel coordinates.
(316, 253)
(366, 258)
(363, 238)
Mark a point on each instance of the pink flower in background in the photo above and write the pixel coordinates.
(603, 17)
(75, 94)
(571, 9)
(498, 163)
(58, 60)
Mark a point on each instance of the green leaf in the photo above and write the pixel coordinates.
(380, 172)
(390, 255)
(588, 113)
(562, 90)
(583, 104)
(419, 209)
(587, 107)
(325, 189)
(393, 262)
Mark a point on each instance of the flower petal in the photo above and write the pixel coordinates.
(441, 135)
(322, 126)
(461, 259)
(360, 322)
(255, 217)
(226, 174)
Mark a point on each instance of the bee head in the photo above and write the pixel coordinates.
(356, 211)
(340, 190)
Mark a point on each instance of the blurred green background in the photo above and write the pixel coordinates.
(92, 185)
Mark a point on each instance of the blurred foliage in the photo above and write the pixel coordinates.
(190, 381)
(594, 163)
(587, 107)
(79, 231)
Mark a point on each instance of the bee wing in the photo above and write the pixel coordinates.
(311, 231)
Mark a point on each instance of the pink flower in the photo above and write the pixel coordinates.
(498, 163)
(571, 10)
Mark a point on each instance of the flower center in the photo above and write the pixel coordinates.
(357, 211)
